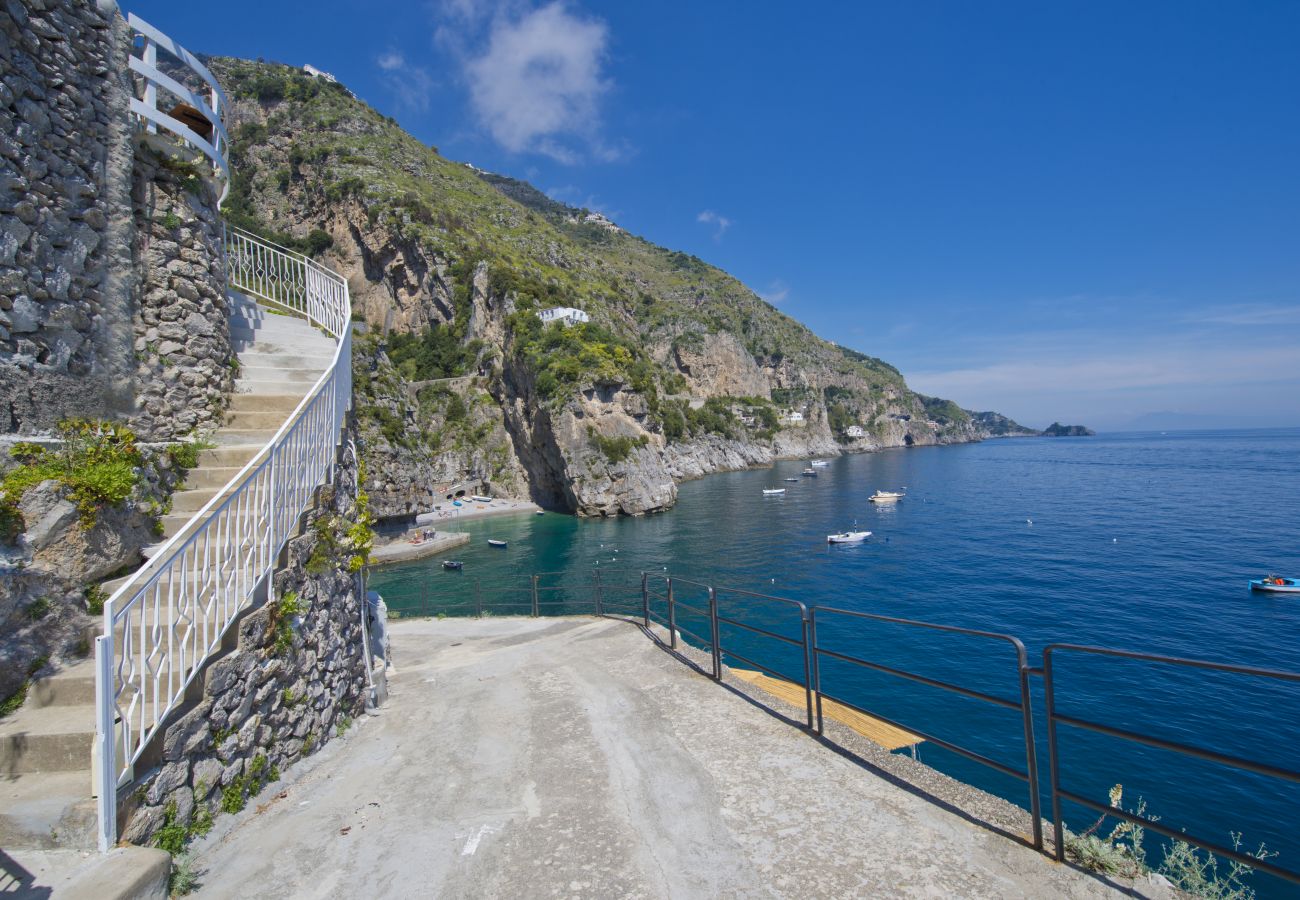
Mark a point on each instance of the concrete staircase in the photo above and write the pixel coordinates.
(45, 777)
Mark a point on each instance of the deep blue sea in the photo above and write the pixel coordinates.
(1139, 541)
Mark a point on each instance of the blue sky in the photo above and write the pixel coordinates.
(1082, 211)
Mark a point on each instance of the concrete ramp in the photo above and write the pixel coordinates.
(576, 758)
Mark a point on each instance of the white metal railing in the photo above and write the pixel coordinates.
(212, 107)
(169, 617)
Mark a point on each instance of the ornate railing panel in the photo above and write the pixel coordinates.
(162, 624)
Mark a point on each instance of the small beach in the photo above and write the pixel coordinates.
(408, 545)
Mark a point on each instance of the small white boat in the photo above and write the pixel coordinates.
(792, 479)
(770, 491)
(886, 496)
(479, 499)
(495, 543)
(848, 537)
(809, 472)
(1275, 585)
(819, 463)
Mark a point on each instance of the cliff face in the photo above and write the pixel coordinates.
(681, 370)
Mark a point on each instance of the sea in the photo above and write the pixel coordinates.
(1140, 542)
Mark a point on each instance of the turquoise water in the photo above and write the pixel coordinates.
(1137, 542)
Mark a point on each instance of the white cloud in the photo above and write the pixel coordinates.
(1250, 314)
(410, 85)
(537, 86)
(776, 292)
(720, 223)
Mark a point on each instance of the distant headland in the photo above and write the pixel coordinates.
(1056, 429)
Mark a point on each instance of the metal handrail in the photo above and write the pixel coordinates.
(1029, 776)
(1225, 759)
(213, 108)
(167, 619)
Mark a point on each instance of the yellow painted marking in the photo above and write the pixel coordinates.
(871, 728)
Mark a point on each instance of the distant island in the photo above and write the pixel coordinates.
(1056, 429)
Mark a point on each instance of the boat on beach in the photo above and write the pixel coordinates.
(886, 496)
(1274, 584)
(453, 564)
(495, 543)
(848, 537)
(771, 491)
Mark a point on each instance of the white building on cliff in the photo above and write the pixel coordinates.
(566, 315)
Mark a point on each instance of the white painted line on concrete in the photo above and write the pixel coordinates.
(471, 845)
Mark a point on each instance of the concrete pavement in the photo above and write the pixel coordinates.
(574, 758)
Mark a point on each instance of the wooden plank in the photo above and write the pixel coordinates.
(871, 728)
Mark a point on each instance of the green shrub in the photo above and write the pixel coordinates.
(95, 599)
(97, 463)
(616, 449)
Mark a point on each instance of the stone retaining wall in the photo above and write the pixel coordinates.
(294, 683)
(65, 169)
(182, 334)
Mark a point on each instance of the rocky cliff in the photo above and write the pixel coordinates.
(680, 371)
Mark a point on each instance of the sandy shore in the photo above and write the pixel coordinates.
(446, 516)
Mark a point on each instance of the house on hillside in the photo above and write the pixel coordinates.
(794, 417)
(854, 431)
(565, 315)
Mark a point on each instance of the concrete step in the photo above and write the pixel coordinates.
(229, 437)
(275, 379)
(47, 739)
(70, 686)
(188, 502)
(47, 811)
(229, 455)
(210, 477)
(260, 420)
(277, 403)
(285, 358)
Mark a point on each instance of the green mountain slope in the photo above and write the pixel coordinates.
(681, 370)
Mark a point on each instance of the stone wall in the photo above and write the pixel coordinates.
(295, 681)
(65, 169)
(182, 335)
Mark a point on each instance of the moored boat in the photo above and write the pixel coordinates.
(1275, 585)
(770, 491)
(886, 496)
(453, 564)
(848, 537)
(810, 472)
(792, 479)
(495, 543)
(819, 463)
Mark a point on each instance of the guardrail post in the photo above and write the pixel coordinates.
(1058, 827)
(105, 743)
(807, 668)
(596, 588)
(672, 618)
(713, 624)
(536, 610)
(1031, 756)
(645, 599)
(816, 667)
